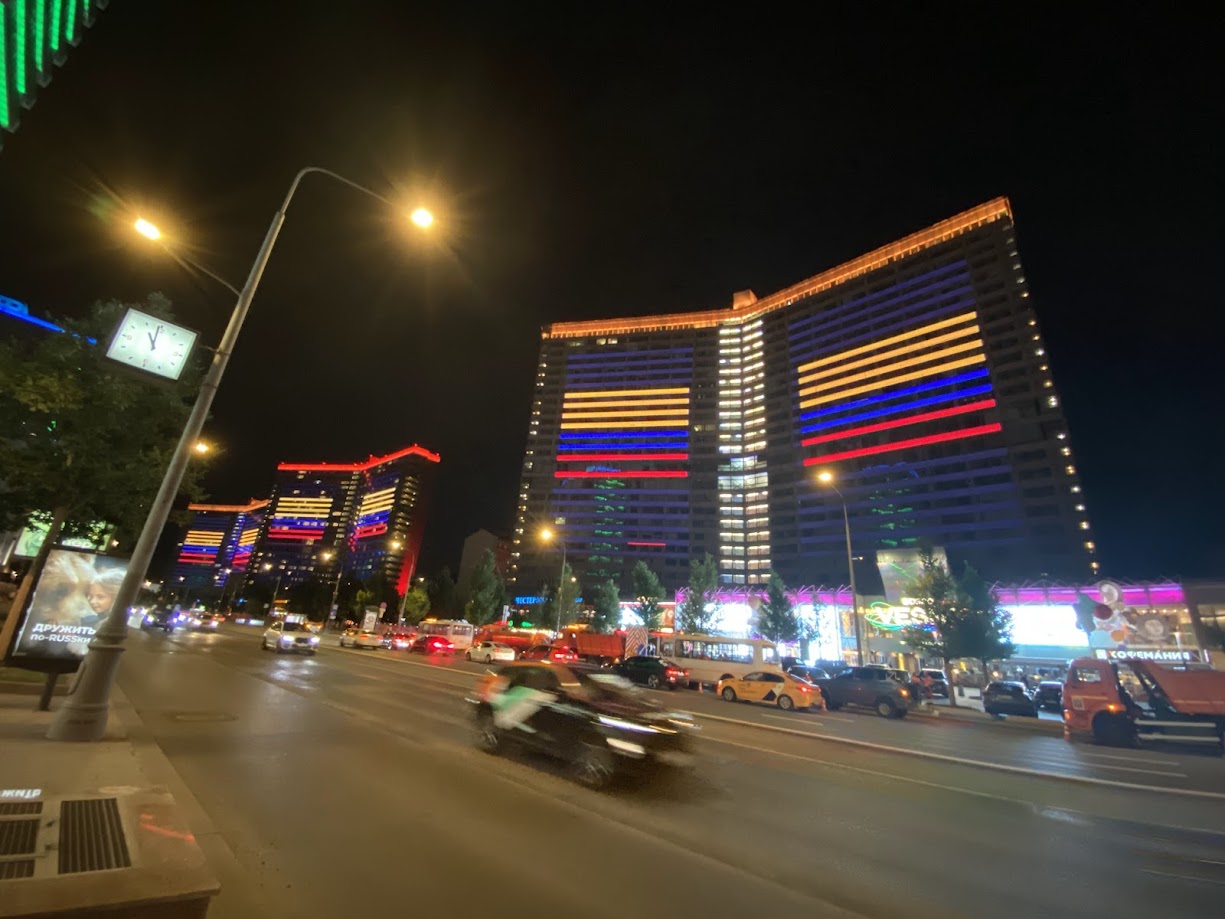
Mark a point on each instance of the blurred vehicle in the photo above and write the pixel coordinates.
(289, 636)
(652, 672)
(549, 653)
(1049, 695)
(360, 638)
(431, 644)
(163, 619)
(592, 646)
(594, 721)
(772, 687)
(486, 652)
(201, 621)
(807, 674)
(399, 641)
(1003, 697)
(869, 686)
(457, 631)
(939, 684)
(711, 658)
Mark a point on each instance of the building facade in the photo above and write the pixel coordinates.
(362, 520)
(475, 547)
(915, 375)
(217, 546)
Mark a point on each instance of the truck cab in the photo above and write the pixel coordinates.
(1126, 703)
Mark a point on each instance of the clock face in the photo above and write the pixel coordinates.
(151, 344)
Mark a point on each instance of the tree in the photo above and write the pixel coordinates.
(962, 617)
(777, 620)
(416, 604)
(83, 439)
(606, 607)
(444, 596)
(648, 591)
(563, 596)
(700, 610)
(485, 591)
(311, 597)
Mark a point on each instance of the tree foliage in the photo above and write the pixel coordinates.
(699, 612)
(563, 595)
(777, 620)
(312, 598)
(962, 615)
(81, 434)
(485, 591)
(648, 592)
(443, 593)
(416, 604)
(606, 607)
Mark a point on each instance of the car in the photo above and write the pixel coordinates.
(597, 723)
(200, 621)
(360, 638)
(163, 619)
(486, 652)
(869, 686)
(652, 672)
(289, 636)
(773, 687)
(431, 644)
(1049, 695)
(939, 684)
(807, 674)
(549, 653)
(399, 641)
(1004, 697)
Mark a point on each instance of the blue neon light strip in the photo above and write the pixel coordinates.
(898, 393)
(620, 436)
(897, 409)
(622, 445)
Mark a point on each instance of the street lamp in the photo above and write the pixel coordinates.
(276, 590)
(327, 555)
(83, 715)
(827, 478)
(548, 535)
(201, 447)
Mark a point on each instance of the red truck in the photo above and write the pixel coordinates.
(589, 646)
(1127, 703)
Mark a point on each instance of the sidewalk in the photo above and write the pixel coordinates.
(171, 842)
(978, 716)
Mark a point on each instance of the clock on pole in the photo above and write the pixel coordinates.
(151, 344)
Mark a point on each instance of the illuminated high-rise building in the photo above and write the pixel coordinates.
(916, 375)
(218, 543)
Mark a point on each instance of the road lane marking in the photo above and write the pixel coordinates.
(1134, 759)
(982, 764)
(778, 718)
(1183, 877)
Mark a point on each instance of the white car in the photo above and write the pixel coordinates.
(360, 638)
(489, 651)
(290, 636)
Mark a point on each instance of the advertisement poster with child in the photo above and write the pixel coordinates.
(72, 598)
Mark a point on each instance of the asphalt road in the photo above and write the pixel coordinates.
(346, 782)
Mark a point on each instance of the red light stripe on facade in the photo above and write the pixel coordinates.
(194, 560)
(373, 530)
(295, 534)
(904, 444)
(637, 474)
(621, 457)
(373, 461)
(649, 545)
(900, 422)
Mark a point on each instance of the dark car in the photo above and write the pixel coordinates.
(163, 619)
(549, 653)
(810, 674)
(592, 720)
(652, 672)
(1006, 698)
(939, 685)
(431, 644)
(874, 687)
(1049, 695)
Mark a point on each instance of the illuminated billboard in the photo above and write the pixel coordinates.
(97, 536)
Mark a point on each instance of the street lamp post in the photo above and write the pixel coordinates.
(548, 536)
(275, 590)
(827, 478)
(84, 712)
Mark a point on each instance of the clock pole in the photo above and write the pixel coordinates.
(83, 714)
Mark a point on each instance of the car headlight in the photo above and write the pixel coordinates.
(903, 692)
(314, 639)
(627, 725)
(288, 638)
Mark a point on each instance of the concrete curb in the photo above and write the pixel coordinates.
(1012, 723)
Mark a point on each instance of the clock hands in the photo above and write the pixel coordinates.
(153, 338)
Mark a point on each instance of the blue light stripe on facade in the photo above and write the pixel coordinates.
(898, 394)
(805, 350)
(620, 435)
(896, 409)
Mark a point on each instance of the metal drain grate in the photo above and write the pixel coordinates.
(18, 837)
(20, 808)
(91, 836)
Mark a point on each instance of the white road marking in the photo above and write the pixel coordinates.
(1183, 877)
(780, 718)
(1132, 759)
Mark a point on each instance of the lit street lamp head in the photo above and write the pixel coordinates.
(422, 218)
(546, 534)
(202, 447)
(825, 477)
(147, 230)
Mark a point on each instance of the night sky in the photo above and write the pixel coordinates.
(621, 160)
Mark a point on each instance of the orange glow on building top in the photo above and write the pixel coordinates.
(230, 508)
(370, 463)
(751, 308)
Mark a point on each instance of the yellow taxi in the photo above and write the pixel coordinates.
(772, 687)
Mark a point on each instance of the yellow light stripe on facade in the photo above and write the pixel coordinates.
(622, 425)
(904, 378)
(629, 403)
(885, 342)
(649, 413)
(839, 382)
(617, 393)
(890, 355)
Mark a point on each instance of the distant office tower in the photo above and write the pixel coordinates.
(915, 375)
(35, 36)
(218, 543)
(475, 547)
(363, 519)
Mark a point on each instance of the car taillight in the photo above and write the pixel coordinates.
(804, 689)
(672, 671)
